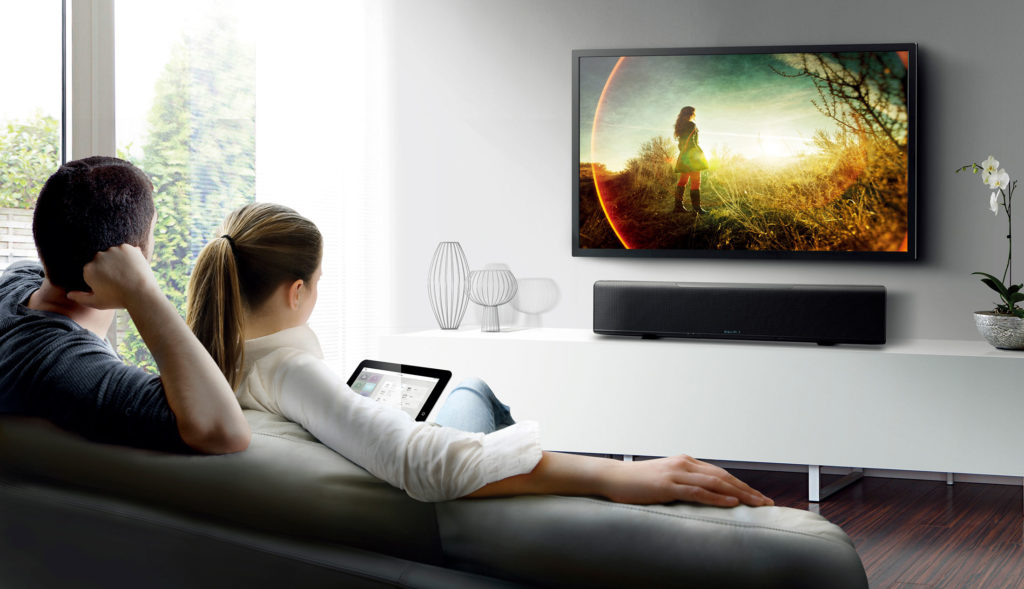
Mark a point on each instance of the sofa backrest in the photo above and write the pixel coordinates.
(286, 482)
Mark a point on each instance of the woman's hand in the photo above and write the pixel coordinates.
(677, 478)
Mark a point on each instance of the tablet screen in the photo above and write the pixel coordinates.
(409, 388)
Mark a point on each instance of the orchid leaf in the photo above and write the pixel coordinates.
(993, 283)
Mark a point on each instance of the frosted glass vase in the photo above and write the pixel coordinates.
(536, 296)
(447, 284)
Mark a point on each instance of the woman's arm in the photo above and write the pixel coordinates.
(662, 480)
(433, 463)
(429, 462)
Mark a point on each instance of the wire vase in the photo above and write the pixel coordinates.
(447, 284)
(491, 288)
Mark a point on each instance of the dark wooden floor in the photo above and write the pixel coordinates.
(916, 534)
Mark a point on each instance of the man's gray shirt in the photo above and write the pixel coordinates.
(52, 367)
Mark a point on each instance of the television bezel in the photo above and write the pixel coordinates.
(912, 108)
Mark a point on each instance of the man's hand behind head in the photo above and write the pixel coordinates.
(115, 276)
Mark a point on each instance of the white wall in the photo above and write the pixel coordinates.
(480, 107)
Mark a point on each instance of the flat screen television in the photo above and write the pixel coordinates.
(784, 152)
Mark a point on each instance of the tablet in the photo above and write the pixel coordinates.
(412, 389)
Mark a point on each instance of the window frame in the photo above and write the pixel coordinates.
(89, 84)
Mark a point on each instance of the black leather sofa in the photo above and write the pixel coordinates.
(289, 512)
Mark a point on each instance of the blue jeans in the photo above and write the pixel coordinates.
(472, 407)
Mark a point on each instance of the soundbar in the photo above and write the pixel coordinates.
(823, 314)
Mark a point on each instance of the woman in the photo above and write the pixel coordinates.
(691, 160)
(249, 298)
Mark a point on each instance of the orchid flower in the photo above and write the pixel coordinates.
(990, 165)
(993, 203)
(998, 179)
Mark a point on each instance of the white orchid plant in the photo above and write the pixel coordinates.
(1002, 188)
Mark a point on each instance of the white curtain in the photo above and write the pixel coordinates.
(320, 131)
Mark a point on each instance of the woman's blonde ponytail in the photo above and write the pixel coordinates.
(215, 311)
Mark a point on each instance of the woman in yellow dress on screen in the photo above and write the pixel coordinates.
(690, 162)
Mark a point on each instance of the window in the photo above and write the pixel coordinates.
(30, 118)
(185, 112)
(229, 102)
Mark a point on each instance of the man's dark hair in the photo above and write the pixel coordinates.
(87, 206)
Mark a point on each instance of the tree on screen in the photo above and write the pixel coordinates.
(864, 93)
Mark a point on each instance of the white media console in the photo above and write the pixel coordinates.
(920, 405)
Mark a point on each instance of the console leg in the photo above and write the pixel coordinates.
(627, 458)
(815, 492)
(813, 483)
(949, 479)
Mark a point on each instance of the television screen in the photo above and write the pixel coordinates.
(791, 152)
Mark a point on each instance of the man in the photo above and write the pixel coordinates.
(93, 229)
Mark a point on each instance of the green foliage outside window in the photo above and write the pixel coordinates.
(29, 153)
(200, 153)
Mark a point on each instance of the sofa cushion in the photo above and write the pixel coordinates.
(585, 542)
